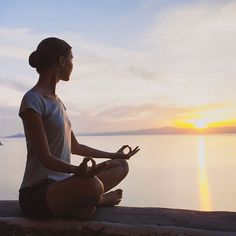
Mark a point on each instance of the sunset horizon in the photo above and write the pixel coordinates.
(171, 130)
(118, 112)
(136, 65)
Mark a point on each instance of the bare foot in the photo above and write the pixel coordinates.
(111, 198)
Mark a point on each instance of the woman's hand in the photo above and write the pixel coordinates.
(121, 152)
(84, 170)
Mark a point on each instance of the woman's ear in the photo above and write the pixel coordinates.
(62, 61)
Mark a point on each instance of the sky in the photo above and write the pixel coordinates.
(137, 64)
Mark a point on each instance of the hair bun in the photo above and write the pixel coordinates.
(34, 59)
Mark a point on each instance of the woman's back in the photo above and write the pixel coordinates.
(58, 131)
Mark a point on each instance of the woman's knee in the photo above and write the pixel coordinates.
(124, 166)
(97, 190)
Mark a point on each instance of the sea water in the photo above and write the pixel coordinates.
(173, 171)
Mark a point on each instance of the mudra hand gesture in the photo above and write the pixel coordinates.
(122, 154)
(84, 170)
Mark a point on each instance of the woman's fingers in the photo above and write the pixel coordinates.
(84, 169)
(133, 152)
(136, 149)
(83, 165)
(123, 148)
(86, 160)
(94, 169)
(101, 167)
(130, 152)
(130, 149)
(93, 163)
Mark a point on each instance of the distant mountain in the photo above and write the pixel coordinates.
(154, 131)
(219, 130)
(165, 130)
(18, 135)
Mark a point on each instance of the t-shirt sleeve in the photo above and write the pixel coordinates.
(32, 101)
(62, 104)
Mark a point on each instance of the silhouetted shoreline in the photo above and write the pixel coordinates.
(155, 131)
(165, 131)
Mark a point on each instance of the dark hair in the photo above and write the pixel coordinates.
(48, 52)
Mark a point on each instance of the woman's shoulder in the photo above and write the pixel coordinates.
(32, 100)
(33, 96)
(32, 93)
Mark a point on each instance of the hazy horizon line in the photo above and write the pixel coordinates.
(152, 131)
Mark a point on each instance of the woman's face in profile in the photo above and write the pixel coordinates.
(68, 66)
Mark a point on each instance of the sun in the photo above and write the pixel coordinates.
(194, 124)
(197, 123)
(200, 124)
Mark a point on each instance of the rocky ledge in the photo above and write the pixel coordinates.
(121, 221)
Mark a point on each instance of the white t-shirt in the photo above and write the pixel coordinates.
(58, 131)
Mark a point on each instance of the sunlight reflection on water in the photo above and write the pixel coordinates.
(205, 201)
(174, 171)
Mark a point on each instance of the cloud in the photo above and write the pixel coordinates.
(185, 57)
(14, 84)
(92, 59)
(15, 43)
(148, 115)
(8, 112)
(195, 41)
(191, 49)
(10, 122)
(143, 73)
(127, 117)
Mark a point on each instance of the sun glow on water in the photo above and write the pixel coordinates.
(205, 198)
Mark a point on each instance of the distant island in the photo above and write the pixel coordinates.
(18, 135)
(155, 131)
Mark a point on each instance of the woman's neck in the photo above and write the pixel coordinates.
(47, 83)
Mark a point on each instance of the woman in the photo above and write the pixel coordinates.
(52, 187)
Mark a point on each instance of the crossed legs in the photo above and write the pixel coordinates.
(82, 195)
(117, 171)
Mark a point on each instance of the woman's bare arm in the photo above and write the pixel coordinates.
(83, 150)
(37, 135)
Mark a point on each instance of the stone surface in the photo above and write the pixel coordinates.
(121, 221)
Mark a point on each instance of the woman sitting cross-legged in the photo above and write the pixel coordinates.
(52, 186)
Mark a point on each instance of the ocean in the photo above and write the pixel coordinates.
(172, 171)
